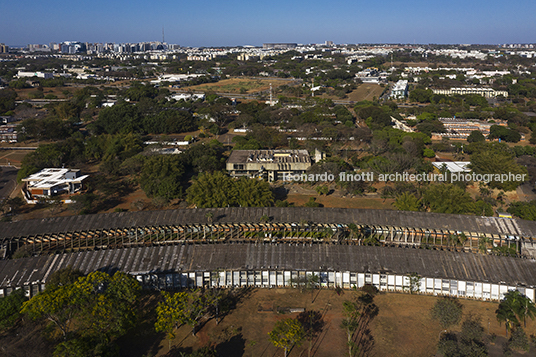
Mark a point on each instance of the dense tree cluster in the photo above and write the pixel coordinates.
(89, 313)
(220, 190)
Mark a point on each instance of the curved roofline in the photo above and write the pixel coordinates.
(421, 220)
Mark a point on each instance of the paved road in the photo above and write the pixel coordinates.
(8, 180)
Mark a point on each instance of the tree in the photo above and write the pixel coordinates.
(420, 95)
(63, 277)
(357, 315)
(448, 312)
(523, 210)
(472, 329)
(504, 133)
(212, 190)
(519, 340)
(169, 314)
(312, 323)
(10, 308)
(429, 153)
(447, 198)
(96, 308)
(407, 202)
(161, 176)
(253, 193)
(496, 158)
(56, 305)
(476, 136)
(414, 282)
(220, 190)
(514, 308)
(350, 323)
(312, 203)
(287, 333)
(181, 308)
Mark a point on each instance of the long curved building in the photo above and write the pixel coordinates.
(267, 247)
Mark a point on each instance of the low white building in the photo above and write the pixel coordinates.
(485, 92)
(187, 96)
(453, 166)
(400, 90)
(44, 75)
(50, 182)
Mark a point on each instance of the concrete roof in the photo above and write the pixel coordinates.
(422, 220)
(316, 257)
(272, 156)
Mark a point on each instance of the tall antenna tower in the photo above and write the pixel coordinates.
(271, 101)
(163, 41)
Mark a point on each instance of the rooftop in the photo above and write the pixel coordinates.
(453, 166)
(272, 156)
(421, 220)
(51, 177)
(318, 257)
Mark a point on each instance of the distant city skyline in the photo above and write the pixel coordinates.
(209, 23)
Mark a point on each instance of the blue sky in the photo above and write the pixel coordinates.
(239, 22)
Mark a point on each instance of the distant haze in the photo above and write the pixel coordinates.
(237, 22)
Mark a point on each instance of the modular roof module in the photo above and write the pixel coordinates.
(420, 220)
(246, 256)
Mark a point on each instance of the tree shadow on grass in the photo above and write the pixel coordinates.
(233, 347)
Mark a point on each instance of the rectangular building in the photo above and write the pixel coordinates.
(54, 181)
(279, 46)
(400, 90)
(270, 165)
(485, 92)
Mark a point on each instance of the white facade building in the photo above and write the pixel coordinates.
(400, 90)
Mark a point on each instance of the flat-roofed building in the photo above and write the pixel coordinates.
(279, 46)
(452, 166)
(485, 92)
(400, 90)
(50, 182)
(270, 165)
(45, 75)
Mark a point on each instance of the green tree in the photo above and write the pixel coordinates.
(10, 307)
(96, 307)
(476, 136)
(253, 193)
(58, 305)
(169, 313)
(312, 203)
(287, 333)
(519, 340)
(181, 308)
(161, 176)
(414, 282)
(447, 311)
(63, 277)
(523, 210)
(447, 198)
(350, 323)
(496, 158)
(220, 190)
(212, 190)
(515, 308)
(429, 153)
(504, 133)
(407, 202)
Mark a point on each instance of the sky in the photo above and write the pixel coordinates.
(212, 23)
